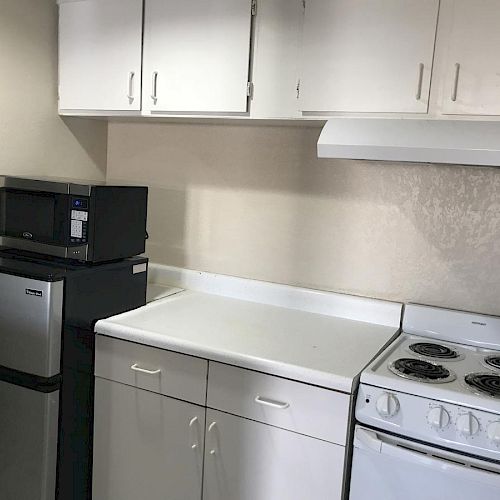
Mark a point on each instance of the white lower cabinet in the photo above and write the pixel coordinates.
(247, 460)
(146, 445)
(250, 436)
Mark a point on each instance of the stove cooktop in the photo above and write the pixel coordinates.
(442, 371)
(434, 351)
(421, 370)
(438, 383)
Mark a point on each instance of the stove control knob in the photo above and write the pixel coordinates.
(438, 417)
(467, 425)
(494, 432)
(387, 405)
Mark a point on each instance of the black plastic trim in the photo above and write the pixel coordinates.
(29, 381)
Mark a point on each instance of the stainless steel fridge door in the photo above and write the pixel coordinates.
(31, 314)
(28, 443)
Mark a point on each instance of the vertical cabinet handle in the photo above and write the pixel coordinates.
(130, 94)
(193, 429)
(420, 80)
(154, 86)
(213, 449)
(455, 82)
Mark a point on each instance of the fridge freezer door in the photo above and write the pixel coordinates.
(28, 443)
(31, 313)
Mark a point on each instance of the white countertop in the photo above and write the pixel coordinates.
(319, 349)
(156, 291)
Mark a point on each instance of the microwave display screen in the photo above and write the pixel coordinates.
(29, 215)
(80, 203)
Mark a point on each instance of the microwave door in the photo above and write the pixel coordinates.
(31, 216)
(39, 222)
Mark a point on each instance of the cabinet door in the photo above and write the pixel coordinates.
(100, 55)
(247, 460)
(145, 445)
(278, 29)
(472, 66)
(368, 55)
(196, 55)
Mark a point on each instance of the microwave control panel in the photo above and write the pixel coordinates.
(79, 220)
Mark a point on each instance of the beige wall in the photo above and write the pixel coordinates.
(254, 201)
(33, 139)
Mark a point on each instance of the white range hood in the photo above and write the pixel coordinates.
(429, 141)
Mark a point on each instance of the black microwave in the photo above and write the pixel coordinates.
(72, 220)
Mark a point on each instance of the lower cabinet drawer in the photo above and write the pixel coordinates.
(246, 460)
(309, 410)
(165, 372)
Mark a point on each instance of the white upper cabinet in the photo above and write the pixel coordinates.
(279, 58)
(196, 56)
(368, 55)
(100, 43)
(472, 62)
(278, 29)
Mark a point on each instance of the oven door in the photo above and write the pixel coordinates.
(385, 467)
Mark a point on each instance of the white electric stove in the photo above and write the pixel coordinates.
(428, 411)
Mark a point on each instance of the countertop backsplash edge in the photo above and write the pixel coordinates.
(340, 305)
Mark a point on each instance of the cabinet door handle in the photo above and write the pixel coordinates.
(420, 80)
(272, 403)
(455, 82)
(211, 427)
(154, 88)
(194, 432)
(130, 94)
(137, 368)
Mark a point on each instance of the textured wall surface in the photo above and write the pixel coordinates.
(33, 139)
(254, 201)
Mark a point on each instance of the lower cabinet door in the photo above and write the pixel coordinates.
(247, 460)
(146, 445)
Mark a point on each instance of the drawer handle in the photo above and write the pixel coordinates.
(137, 368)
(272, 403)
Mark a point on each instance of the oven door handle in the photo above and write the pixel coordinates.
(370, 441)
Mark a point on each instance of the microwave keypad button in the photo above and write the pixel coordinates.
(76, 228)
(79, 215)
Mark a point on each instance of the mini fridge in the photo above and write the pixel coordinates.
(47, 313)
